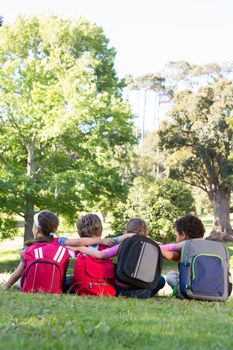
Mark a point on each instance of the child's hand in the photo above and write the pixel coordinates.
(108, 241)
(4, 286)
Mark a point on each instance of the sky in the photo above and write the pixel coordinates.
(147, 34)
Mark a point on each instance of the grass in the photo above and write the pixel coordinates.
(37, 321)
(71, 322)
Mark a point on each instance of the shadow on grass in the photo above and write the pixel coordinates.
(8, 265)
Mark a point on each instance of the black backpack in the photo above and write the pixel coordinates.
(139, 262)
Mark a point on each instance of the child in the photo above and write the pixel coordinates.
(134, 226)
(44, 226)
(186, 227)
(92, 277)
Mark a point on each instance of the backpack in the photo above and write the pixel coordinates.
(139, 262)
(93, 276)
(45, 268)
(204, 270)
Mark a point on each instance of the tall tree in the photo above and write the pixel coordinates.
(198, 142)
(150, 83)
(150, 159)
(181, 74)
(64, 128)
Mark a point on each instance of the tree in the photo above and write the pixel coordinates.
(159, 203)
(65, 131)
(149, 159)
(181, 74)
(150, 83)
(198, 142)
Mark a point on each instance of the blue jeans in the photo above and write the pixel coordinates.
(140, 293)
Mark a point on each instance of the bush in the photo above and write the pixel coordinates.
(159, 203)
(8, 228)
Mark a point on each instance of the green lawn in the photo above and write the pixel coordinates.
(71, 322)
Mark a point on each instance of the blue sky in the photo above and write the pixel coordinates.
(149, 33)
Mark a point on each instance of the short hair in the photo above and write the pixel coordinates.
(138, 226)
(89, 225)
(190, 225)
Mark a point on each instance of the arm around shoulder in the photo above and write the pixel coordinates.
(82, 241)
(99, 254)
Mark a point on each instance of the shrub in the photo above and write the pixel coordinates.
(159, 203)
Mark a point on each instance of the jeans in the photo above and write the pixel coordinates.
(140, 293)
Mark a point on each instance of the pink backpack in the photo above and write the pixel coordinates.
(45, 268)
(93, 276)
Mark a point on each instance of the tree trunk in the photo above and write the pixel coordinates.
(104, 215)
(222, 230)
(29, 219)
(29, 200)
(144, 114)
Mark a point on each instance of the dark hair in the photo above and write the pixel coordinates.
(89, 225)
(190, 225)
(137, 225)
(48, 224)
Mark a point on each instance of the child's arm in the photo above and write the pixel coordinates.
(103, 254)
(121, 238)
(14, 277)
(172, 251)
(107, 253)
(86, 241)
(175, 247)
(171, 255)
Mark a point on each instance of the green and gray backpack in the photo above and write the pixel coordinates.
(204, 270)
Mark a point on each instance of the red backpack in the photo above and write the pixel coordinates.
(93, 276)
(45, 268)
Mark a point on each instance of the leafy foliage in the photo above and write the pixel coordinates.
(65, 130)
(8, 227)
(198, 142)
(159, 203)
